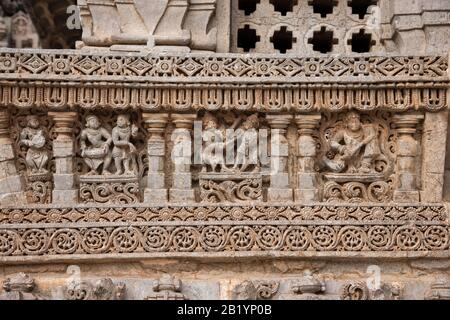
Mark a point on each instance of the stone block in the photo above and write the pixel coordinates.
(64, 181)
(155, 196)
(65, 196)
(180, 196)
(280, 195)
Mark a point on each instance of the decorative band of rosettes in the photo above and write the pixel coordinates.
(317, 213)
(76, 65)
(214, 238)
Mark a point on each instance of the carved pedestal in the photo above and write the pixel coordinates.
(182, 190)
(220, 187)
(406, 189)
(279, 177)
(156, 146)
(39, 188)
(109, 189)
(308, 188)
(63, 150)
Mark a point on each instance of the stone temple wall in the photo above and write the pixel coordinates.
(209, 149)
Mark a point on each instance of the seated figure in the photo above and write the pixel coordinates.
(95, 146)
(357, 147)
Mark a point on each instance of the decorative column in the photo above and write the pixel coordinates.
(182, 190)
(11, 183)
(407, 149)
(279, 189)
(308, 180)
(64, 190)
(156, 123)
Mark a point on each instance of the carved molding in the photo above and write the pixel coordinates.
(208, 237)
(103, 289)
(20, 287)
(196, 82)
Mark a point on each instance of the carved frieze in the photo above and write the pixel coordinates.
(167, 288)
(360, 291)
(103, 289)
(20, 287)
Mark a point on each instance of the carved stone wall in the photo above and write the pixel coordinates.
(311, 165)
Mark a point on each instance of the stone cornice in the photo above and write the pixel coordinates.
(65, 80)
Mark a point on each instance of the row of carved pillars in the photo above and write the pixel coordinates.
(307, 190)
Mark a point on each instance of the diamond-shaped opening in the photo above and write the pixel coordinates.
(323, 40)
(283, 39)
(247, 38)
(323, 7)
(284, 6)
(361, 41)
(248, 6)
(360, 7)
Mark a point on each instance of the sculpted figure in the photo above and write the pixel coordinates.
(247, 150)
(216, 135)
(33, 137)
(357, 147)
(124, 152)
(95, 146)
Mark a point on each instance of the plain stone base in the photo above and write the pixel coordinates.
(406, 196)
(278, 195)
(155, 195)
(13, 199)
(11, 184)
(308, 195)
(177, 195)
(65, 196)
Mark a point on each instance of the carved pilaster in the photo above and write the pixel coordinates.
(11, 183)
(406, 189)
(63, 150)
(182, 190)
(156, 191)
(308, 189)
(279, 189)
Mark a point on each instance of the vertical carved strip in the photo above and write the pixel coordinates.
(182, 190)
(433, 156)
(307, 151)
(11, 183)
(406, 189)
(156, 191)
(63, 150)
(279, 178)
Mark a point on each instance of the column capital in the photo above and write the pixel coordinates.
(407, 123)
(183, 121)
(64, 123)
(306, 123)
(155, 123)
(155, 120)
(281, 121)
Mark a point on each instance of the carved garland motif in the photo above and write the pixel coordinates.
(221, 238)
(318, 213)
